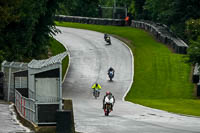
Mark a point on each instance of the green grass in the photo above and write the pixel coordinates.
(161, 78)
(57, 48)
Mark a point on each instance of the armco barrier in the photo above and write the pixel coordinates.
(88, 20)
(163, 34)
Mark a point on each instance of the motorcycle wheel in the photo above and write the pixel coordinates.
(107, 112)
(110, 78)
(95, 94)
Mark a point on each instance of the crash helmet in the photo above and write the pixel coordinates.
(108, 93)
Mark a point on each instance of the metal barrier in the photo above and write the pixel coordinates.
(25, 106)
(90, 20)
(8, 68)
(163, 34)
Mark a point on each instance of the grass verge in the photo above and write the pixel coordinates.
(161, 78)
(57, 48)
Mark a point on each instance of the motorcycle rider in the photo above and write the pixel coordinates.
(105, 36)
(97, 87)
(110, 97)
(111, 70)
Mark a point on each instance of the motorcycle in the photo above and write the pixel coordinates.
(107, 109)
(108, 106)
(96, 93)
(107, 39)
(111, 75)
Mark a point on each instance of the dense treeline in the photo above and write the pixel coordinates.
(90, 8)
(25, 26)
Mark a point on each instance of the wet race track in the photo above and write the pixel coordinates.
(90, 58)
(8, 122)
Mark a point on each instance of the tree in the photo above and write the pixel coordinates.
(193, 34)
(158, 11)
(181, 11)
(27, 36)
(139, 10)
(194, 51)
(8, 14)
(192, 30)
(86, 8)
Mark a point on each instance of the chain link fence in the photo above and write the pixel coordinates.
(8, 68)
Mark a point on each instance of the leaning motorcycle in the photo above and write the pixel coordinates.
(107, 39)
(111, 75)
(96, 93)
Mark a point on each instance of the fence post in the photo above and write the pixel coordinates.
(2, 66)
(9, 80)
(21, 104)
(24, 108)
(60, 88)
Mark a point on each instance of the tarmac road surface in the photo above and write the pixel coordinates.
(90, 58)
(8, 121)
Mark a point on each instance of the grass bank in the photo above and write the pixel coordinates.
(57, 48)
(161, 78)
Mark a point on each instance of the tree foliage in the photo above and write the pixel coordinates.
(194, 51)
(25, 29)
(87, 8)
(193, 34)
(139, 10)
(174, 13)
(192, 30)
(9, 12)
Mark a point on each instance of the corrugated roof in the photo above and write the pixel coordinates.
(19, 65)
(43, 63)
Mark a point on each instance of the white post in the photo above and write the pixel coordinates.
(2, 65)
(126, 11)
(60, 88)
(21, 77)
(9, 80)
(36, 105)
